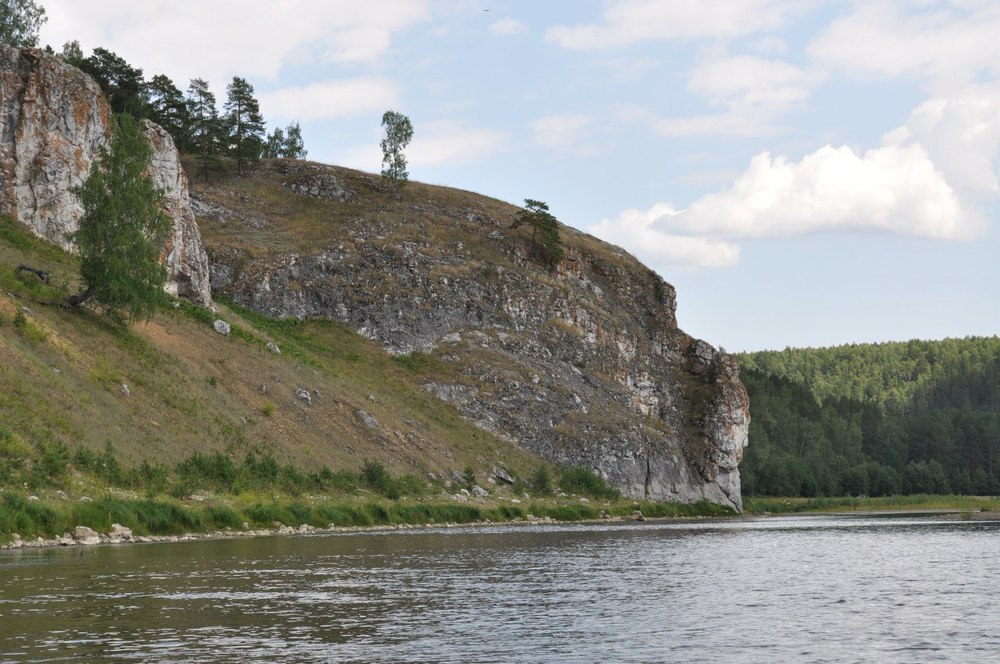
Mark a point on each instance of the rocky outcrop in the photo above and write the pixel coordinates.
(584, 365)
(53, 124)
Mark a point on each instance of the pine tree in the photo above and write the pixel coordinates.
(169, 109)
(244, 123)
(205, 129)
(122, 228)
(121, 83)
(545, 237)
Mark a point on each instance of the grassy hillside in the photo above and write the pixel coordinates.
(64, 374)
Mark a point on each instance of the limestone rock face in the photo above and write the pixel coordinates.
(53, 124)
(583, 365)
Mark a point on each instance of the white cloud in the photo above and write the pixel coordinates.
(893, 188)
(646, 234)
(330, 99)
(962, 136)
(186, 39)
(507, 26)
(454, 144)
(747, 82)
(567, 131)
(630, 21)
(754, 91)
(947, 44)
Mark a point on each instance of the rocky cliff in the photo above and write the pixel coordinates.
(583, 365)
(53, 124)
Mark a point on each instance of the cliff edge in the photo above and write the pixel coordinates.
(581, 365)
(53, 124)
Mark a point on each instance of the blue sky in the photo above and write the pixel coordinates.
(805, 173)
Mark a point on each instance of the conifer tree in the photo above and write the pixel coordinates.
(205, 131)
(169, 109)
(122, 84)
(545, 237)
(244, 123)
(122, 228)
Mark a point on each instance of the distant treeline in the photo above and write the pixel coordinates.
(874, 419)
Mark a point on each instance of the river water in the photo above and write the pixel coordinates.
(777, 589)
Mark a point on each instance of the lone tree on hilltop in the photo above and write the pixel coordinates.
(122, 228)
(244, 123)
(398, 133)
(20, 21)
(545, 238)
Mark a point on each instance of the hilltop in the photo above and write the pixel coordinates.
(421, 329)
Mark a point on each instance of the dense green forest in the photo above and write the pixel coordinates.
(874, 419)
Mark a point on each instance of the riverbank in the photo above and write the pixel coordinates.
(118, 535)
(117, 519)
(795, 505)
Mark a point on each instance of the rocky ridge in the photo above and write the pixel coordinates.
(53, 124)
(583, 365)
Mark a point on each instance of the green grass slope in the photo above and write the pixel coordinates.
(64, 374)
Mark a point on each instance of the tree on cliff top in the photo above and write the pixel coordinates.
(398, 132)
(244, 123)
(20, 21)
(122, 228)
(545, 238)
(204, 119)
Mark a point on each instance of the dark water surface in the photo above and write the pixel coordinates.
(781, 589)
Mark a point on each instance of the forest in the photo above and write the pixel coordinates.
(874, 419)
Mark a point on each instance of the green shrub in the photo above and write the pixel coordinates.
(208, 471)
(220, 517)
(267, 514)
(585, 482)
(541, 481)
(375, 477)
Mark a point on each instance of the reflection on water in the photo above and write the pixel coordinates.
(789, 589)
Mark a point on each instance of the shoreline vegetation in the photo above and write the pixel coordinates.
(120, 518)
(53, 496)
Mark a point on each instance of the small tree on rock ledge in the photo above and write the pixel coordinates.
(122, 228)
(545, 238)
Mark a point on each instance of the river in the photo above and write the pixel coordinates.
(774, 589)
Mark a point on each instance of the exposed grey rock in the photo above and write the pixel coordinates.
(503, 476)
(53, 123)
(273, 347)
(479, 491)
(125, 390)
(221, 326)
(303, 393)
(366, 417)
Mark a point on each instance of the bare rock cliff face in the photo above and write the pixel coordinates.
(53, 123)
(583, 366)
